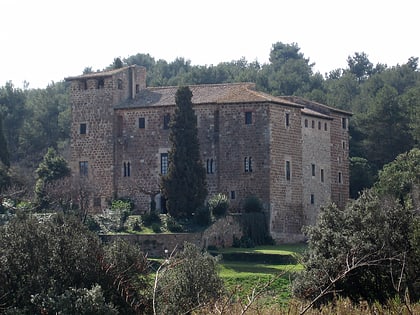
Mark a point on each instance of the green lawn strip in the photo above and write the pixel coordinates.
(241, 278)
(286, 249)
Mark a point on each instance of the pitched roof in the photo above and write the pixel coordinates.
(101, 74)
(205, 94)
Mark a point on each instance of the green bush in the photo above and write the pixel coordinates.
(136, 226)
(174, 226)
(218, 204)
(92, 224)
(202, 216)
(252, 204)
(122, 204)
(156, 228)
(191, 281)
(150, 218)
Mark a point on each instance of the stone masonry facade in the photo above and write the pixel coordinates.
(290, 152)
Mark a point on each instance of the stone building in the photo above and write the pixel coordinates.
(290, 152)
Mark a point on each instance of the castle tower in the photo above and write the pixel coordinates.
(94, 128)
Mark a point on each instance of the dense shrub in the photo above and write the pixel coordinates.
(156, 227)
(252, 204)
(218, 204)
(202, 216)
(150, 218)
(173, 226)
(92, 224)
(136, 226)
(189, 281)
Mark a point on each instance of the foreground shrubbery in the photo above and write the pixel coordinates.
(370, 250)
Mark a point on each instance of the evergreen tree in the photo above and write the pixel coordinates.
(185, 184)
(4, 152)
(4, 160)
(52, 167)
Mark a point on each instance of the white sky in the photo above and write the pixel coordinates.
(47, 40)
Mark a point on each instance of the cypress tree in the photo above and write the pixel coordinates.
(184, 186)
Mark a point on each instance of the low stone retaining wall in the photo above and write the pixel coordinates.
(219, 235)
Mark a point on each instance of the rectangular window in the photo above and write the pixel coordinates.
(306, 123)
(340, 179)
(319, 125)
(119, 126)
(216, 121)
(248, 118)
(164, 163)
(83, 128)
(210, 166)
(248, 164)
(232, 194)
(313, 123)
(313, 169)
(287, 170)
(344, 123)
(126, 169)
(287, 119)
(83, 168)
(312, 199)
(166, 120)
(325, 126)
(322, 175)
(344, 145)
(142, 123)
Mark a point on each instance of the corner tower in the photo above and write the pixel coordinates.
(93, 98)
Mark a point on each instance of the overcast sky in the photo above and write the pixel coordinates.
(47, 40)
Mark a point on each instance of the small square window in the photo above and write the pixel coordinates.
(142, 122)
(248, 118)
(83, 128)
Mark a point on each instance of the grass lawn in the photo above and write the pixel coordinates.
(242, 277)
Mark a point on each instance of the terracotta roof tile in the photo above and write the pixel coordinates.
(205, 94)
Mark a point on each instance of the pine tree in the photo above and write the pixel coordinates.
(184, 186)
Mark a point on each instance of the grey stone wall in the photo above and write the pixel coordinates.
(316, 152)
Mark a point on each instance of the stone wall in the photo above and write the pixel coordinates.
(285, 190)
(316, 165)
(340, 176)
(93, 97)
(219, 235)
